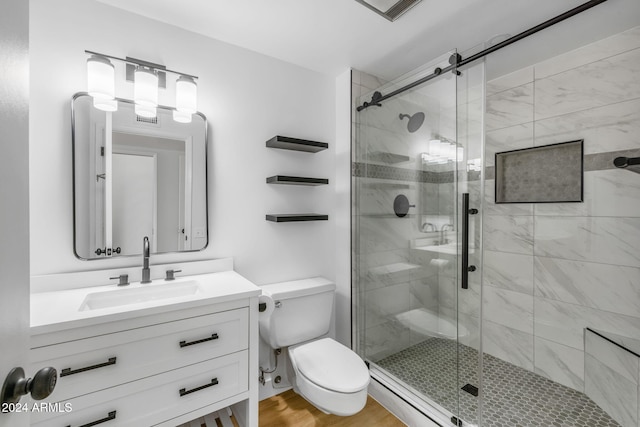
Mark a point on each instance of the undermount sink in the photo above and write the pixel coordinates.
(145, 293)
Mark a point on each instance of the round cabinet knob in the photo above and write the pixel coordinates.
(40, 386)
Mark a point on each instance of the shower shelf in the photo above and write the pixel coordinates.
(296, 180)
(288, 143)
(386, 157)
(296, 217)
(387, 186)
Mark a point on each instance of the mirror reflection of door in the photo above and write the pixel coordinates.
(134, 201)
(150, 193)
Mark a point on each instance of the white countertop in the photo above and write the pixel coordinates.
(61, 310)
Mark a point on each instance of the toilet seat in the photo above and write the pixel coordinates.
(330, 376)
(330, 365)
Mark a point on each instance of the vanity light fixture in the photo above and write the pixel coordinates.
(101, 83)
(147, 78)
(186, 95)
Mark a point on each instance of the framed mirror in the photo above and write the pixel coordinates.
(134, 177)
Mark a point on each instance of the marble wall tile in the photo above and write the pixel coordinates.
(598, 239)
(509, 108)
(612, 356)
(385, 339)
(564, 323)
(507, 139)
(508, 308)
(598, 50)
(603, 286)
(511, 80)
(606, 128)
(508, 344)
(559, 363)
(493, 208)
(425, 294)
(509, 271)
(606, 193)
(469, 330)
(592, 85)
(612, 392)
(508, 233)
(383, 304)
(380, 234)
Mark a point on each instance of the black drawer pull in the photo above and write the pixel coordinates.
(184, 391)
(67, 371)
(187, 344)
(111, 416)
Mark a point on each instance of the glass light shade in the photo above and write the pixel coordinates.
(105, 104)
(146, 111)
(101, 80)
(145, 87)
(186, 95)
(181, 117)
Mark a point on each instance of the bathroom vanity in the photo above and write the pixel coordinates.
(157, 354)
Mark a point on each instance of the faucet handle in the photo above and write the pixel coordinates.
(170, 274)
(123, 279)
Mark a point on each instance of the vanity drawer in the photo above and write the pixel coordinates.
(96, 363)
(158, 398)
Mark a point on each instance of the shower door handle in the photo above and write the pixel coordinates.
(466, 268)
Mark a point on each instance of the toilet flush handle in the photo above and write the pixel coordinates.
(278, 304)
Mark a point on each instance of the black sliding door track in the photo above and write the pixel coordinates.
(457, 61)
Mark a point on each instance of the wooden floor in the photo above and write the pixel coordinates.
(291, 410)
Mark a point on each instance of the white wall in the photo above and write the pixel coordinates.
(14, 184)
(247, 98)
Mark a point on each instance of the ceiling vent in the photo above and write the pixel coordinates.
(390, 9)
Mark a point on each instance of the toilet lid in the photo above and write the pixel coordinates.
(330, 365)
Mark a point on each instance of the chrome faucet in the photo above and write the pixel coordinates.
(445, 227)
(146, 273)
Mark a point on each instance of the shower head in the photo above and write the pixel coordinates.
(415, 121)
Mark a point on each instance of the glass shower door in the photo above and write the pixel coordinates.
(414, 325)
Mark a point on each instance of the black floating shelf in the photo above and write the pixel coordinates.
(296, 217)
(296, 180)
(288, 143)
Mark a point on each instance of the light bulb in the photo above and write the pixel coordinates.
(100, 77)
(105, 104)
(145, 87)
(181, 117)
(186, 95)
(146, 111)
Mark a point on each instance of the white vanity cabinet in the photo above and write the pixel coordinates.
(154, 368)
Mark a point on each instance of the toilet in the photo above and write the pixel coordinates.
(326, 373)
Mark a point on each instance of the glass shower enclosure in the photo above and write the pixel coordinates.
(417, 194)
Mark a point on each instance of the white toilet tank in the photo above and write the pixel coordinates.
(302, 311)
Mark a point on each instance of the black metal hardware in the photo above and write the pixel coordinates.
(377, 97)
(117, 250)
(262, 307)
(296, 217)
(171, 274)
(184, 391)
(401, 206)
(68, 371)
(466, 268)
(623, 162)
(110, 416)
(296, 180)
(187, 344)
(100, 251)
(456, 421)
(471, 389)
(123, 279)
(17, 385)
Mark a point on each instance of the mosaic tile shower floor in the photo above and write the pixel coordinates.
(513, 397)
